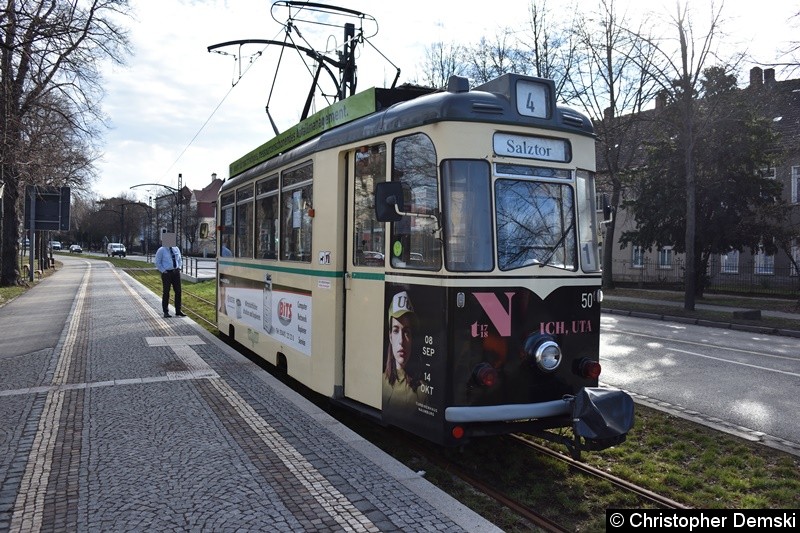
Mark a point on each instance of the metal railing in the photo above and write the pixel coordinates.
(747, 277)
(200, 267)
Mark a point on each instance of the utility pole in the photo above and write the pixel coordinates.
(180, 211)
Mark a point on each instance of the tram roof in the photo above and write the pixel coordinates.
(376, 112)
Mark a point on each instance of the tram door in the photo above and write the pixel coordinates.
(364, 273)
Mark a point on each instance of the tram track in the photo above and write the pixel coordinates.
(483, 477)
(524, 509)
(519, 508)
(640, 492)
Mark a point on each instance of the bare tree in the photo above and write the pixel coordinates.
(611, 82)
(489, 59)
(547, 47)
(789, 59)
(678, 69)
(190, 226)
(53, 151)
(50, 52)
(442, 60)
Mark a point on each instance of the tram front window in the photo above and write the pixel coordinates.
(535, 224)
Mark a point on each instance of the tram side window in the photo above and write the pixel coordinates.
(296, 201)
(415, 242)
(467, 203)
(267, 218)
(368, 240)
(226, 221)
(244, 222)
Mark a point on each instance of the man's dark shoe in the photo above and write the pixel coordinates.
(179, 314)
(167, 315)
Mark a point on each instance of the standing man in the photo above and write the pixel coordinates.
(168, 261)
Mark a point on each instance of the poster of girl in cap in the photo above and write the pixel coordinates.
(411, 358)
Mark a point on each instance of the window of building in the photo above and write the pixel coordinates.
(296, 218)
(795, 255)
(729, 263)
(665, 257)
(764, 263)
(769, 173)
(369, 245)
(267, 218)
(414, 241)
(601, 200)
(637, 257)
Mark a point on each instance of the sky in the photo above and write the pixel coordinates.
(175, 108)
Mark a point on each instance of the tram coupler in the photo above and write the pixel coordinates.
(601, 418)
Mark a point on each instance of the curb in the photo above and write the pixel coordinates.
(708, 323)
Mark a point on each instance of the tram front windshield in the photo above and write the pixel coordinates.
(534, 219)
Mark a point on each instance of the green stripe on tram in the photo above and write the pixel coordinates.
(287, 270)
(305, 271)
(369, 275)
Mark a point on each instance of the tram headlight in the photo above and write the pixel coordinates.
(544, 351)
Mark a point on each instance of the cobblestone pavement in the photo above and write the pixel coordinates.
(113, 418)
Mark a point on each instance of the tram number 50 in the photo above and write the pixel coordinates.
(587, 300)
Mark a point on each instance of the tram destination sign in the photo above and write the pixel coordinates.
(529, 147)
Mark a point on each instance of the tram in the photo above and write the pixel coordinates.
(430, 257)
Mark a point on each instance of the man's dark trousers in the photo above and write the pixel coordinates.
(171, 278)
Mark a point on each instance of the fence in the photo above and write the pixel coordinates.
(199, 267)
(747, 277)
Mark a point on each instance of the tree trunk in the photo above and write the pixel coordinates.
(689, 277)
(9, 271)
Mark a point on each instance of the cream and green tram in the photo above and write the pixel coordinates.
(431, 258)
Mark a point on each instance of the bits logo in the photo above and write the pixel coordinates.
(285, 312)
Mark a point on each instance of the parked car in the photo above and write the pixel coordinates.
(55, 245)
(75, 249)
(115, 249)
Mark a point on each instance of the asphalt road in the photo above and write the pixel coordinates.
(743, 382)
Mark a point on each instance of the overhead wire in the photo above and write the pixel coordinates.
(253, 59)
(286, 29)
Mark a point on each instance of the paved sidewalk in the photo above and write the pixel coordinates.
(116, 419)
(668, 304)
